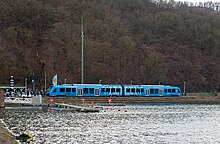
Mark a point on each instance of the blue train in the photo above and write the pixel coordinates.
(93, 90)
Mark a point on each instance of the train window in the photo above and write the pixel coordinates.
(127, 90)
(62, 89)
(138, 90)
(156, 91)
(173, 90)
(142, 90)
(112, 90)
(86, 90)
(165, 90)
(103, 89)
(68, 89)
(91, 90)
(108, 90)
(169, 90)
(73, 89)
(117, 90)
(151, 91)
(132, 90)
(178, 91)
(55, 90)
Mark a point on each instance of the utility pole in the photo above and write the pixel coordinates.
(82, 35)
(184, 89)
(26, 86)
(45, 82)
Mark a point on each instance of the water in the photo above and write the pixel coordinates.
(132, 124)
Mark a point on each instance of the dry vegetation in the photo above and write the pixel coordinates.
(124, 40)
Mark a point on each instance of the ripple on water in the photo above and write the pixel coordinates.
(158, 123)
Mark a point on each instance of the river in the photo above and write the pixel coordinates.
(131, 124)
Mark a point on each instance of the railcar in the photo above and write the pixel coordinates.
(92, 90)
(111, 90)
(134, 90)
(162, 90)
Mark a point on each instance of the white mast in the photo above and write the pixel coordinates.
(82, 35)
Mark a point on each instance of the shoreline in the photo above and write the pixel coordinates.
(6, 137)
(133, 100)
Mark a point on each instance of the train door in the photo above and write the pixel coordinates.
(161, 92)
(96, 92)
(79, 92)
(147, 92)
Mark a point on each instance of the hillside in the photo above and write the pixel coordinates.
(124, 40)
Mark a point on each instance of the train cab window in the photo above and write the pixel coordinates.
(173, 90)
(103, 89)
(169, 90)
(178, 91)
(138, 90)
(127, 90)
(86, 90)
(112, 90)
(142, 90)
(55, 90)
(165, 90)
(156, 91)
(117, 90)
(73, 89)
(91, 90)
(151, 91)
(133, 90)
(62, 89)
(108, 90)
(68, 89)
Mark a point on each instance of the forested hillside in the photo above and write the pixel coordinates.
(124, 40)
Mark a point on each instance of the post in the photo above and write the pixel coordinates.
(26, 86)
(65, 81)
(131, 82)
(100, 81)
(82, 35)
(184, 89)
(159, 82)
(45, 82)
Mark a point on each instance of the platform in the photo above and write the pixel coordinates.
(74, 107)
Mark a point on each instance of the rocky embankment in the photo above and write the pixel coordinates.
(5, 136)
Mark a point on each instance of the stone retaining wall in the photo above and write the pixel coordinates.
(2, 100)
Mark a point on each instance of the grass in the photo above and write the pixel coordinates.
(202, 94)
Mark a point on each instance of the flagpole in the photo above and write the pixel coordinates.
(82, 50)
